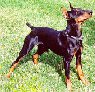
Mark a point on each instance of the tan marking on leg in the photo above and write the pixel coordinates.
(79, 70)
(69, 84)
(35, 58)
(81, 48)
(81, 75)
(74, 53)
(11, 70)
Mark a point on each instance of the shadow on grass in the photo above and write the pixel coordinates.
(49, 58)
(54, 61)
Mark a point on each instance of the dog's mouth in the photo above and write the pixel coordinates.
(83, 18)
(82, 21)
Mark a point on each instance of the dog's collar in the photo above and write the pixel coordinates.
(74, 37)
(77, 38)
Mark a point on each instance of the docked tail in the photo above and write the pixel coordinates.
(29, 25)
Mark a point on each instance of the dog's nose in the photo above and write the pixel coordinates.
(90, 12)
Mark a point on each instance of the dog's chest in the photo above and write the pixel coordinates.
(74, 45)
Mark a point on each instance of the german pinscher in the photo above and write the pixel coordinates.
(66, 43)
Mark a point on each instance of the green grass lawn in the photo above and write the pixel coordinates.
(48, 75)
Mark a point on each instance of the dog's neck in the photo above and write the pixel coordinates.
(73, 28)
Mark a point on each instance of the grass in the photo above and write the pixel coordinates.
(46, 76)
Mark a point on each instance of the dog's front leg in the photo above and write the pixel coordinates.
(67, 61)
(79, 67)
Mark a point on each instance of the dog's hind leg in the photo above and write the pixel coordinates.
(28, 45)
(41, 49)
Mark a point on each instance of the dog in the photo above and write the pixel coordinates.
(66, 43)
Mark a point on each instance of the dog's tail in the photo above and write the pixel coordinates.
(29, 25)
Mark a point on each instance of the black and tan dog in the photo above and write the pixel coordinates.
(66, 43)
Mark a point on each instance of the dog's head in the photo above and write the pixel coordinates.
(77, 13)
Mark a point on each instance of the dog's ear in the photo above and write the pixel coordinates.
(71, 6)
(64, 12)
